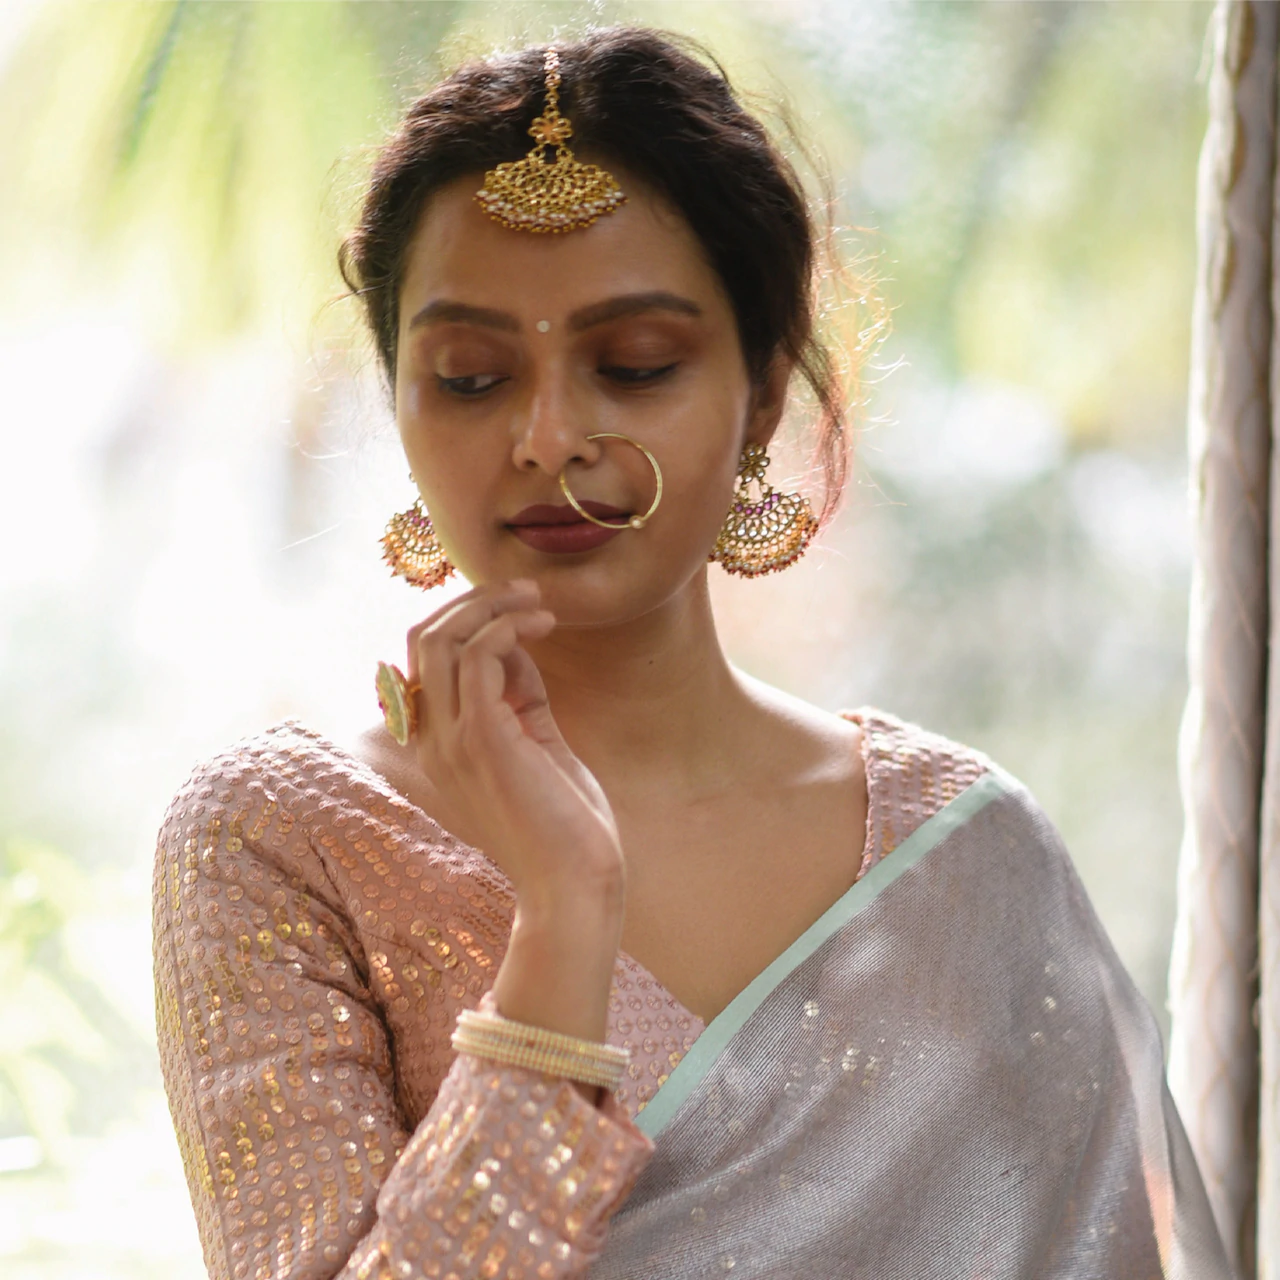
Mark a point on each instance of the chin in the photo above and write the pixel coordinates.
(604, 595)
(596, 598)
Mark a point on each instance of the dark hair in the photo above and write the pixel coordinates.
(638, 97)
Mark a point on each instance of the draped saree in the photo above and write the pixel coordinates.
(949, 1075)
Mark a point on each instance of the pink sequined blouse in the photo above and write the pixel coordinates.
(316, 936)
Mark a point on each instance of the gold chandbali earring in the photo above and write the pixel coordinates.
(765, 532)
(413, 551)
(541, 195)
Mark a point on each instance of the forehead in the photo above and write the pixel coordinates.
(459, 252)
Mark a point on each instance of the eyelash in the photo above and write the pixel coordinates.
(628, 376)
(459, 387)
(624, 375)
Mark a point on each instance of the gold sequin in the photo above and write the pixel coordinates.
(911, 774)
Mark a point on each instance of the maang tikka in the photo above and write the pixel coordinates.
(544, 195)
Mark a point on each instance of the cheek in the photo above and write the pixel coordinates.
(409, 400)
(429, 449)
(708, 433)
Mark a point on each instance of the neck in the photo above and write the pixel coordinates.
(648, 701)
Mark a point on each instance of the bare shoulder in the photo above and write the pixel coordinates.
(819, 743)
(814, 746)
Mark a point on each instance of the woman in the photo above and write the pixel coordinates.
(735, 984)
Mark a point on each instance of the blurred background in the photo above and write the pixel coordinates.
(197, 463)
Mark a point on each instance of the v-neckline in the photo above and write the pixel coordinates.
(379, 783)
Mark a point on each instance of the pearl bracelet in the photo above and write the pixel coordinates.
(490, 1035)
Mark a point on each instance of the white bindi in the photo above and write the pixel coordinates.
(543, 326)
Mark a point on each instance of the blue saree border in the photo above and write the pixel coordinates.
(694, 1067)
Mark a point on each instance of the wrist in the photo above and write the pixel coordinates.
(558, 969)
(591, 890)
(573, 926)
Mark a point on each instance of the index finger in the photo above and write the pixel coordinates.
(462, 617)
(434, 650)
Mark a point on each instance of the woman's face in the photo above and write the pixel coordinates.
(514, 348)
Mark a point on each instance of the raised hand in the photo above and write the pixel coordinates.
(488, 743)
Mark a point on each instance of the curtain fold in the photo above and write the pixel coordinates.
(1225, 969)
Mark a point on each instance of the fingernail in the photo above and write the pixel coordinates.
(523, 585)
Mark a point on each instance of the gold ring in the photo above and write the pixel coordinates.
(397, 701)
(635, 522)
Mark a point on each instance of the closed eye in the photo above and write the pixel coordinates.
(470, 385)
(628, 376)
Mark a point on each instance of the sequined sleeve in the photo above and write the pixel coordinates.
(302, 1157)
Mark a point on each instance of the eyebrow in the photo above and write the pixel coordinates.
(444, 311)
(631, 304)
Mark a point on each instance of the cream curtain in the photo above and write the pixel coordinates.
(1224, 1064)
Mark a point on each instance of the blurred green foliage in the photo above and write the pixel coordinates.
(45, 1008)
(204, 156)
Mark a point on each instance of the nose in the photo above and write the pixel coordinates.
(551, 429)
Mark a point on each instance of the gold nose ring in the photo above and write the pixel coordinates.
(635, 522)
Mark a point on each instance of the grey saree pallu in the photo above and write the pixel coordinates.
(949, 1075)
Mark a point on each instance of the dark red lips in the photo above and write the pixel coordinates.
(560, 530)
(544, 513)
